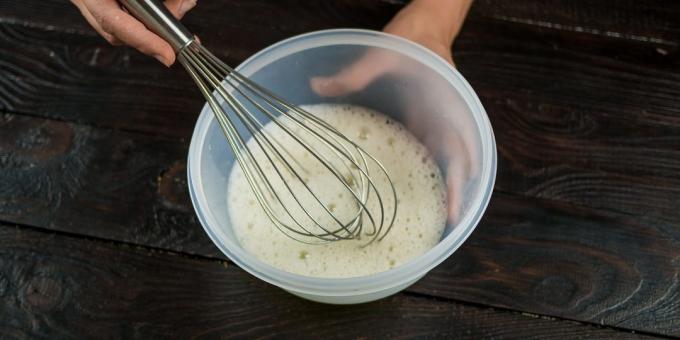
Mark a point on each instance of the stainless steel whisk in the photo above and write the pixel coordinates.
(276, 174)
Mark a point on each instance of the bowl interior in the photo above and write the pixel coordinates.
(411, 85)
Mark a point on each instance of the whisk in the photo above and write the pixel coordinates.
(275, 160)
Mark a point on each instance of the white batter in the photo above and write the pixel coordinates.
(421, 212)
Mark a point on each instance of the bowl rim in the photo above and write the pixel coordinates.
(400, 275)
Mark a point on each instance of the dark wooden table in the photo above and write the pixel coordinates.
(98, 238)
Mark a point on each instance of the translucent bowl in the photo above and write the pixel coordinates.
(421, 80)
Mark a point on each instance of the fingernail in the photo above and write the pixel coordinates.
(186, 5)
(161, 59)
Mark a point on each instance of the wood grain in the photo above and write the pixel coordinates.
(582, 96)
(647, 21)
(232, 25)
(56, 286)
(599, 111)
(78, 78)
(61, 69)
(590, 125)
(559, 260)
(97, 182)
(654, 20)
(69, 73)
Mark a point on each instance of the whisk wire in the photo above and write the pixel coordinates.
(211, 75)
(249, 121)
(262, 93)
(246, 166)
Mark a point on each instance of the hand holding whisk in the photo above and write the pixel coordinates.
(279, 160)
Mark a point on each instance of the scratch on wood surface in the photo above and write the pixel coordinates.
(95, 56)
(625, 300)
(582, 29)
(47, 27)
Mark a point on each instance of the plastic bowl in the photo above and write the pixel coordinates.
(422, 80)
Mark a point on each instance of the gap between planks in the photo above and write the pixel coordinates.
(532, 315)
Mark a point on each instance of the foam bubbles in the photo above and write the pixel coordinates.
(421, 213)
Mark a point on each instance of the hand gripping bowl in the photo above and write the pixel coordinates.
(417, 80)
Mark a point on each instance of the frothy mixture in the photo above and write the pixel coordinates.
(421, 212)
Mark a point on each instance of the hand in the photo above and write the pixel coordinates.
(118, 27)
(433, 24)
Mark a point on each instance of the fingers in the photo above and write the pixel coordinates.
(117, 26)
(93, 22)
(179, 7)
(130, 31)
(356, 77)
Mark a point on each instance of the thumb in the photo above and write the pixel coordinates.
(355, 77)
(180, 7)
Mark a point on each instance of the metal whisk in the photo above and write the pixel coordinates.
(278, 159)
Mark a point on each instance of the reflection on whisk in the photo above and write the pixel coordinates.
(314, 183)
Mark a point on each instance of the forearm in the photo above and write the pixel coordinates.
(444, 16)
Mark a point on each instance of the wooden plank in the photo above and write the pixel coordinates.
(598, 109)
(60, 69)
(654, 20)
(67, 76)
(231, 24)
(574, 125)
(559, 260)
(97, 182)
(131, 187)
(650, 21)
(80, 78)
(57, 286)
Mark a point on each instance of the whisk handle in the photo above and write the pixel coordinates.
(156, 17)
